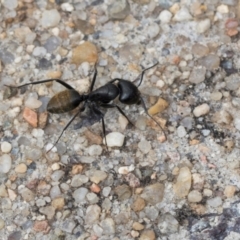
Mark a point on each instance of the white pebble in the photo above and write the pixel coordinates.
(95, 150)
(182, 15)
(6, 147)
(114, 139)
(153, 30)
(201, 110)
(203, 25)
(165, 16)
(39, 51)
(67, 7)
(55, 166)
(33, 103)
(222, 8)
(37, 132)
(50, 18)
(160, 83)
(181, 131)
(123, 122)
(126, 169)
(5, 163)
(16, 102)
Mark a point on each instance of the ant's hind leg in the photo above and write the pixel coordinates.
(43, 81)
(146, 111)
(104, 132)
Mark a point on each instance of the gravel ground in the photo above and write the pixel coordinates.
(144, 186)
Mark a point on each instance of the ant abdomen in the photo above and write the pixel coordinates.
(64, 101)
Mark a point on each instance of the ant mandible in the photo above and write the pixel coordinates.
(70, 99)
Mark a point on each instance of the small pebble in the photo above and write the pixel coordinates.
(216, 96)
(50, 18)
(67, 7)
(214, 202)
(21, 168)
(86, 52)
(147, 234)
(58, 203)
(137, 226)
(182, 15)
(123, 192)
(118, 10)
(95, 188)
(95, 150)
(229, 191)
(126, 169)
(138, 204)
(201, 110)
(203, 25)
(194, 196)
(197, 75)
(5, 163)
(41, 226)
(114, 139)
(2, 223)
(6, 147)
(30, 116)
(184, 180)
(108, 226)
(144, 146)
(222, 9)
(96, 176)
(33, 103)
(154, 193)
(181, 131)
(165, 16)
(92, 214)
(160, 106)
(80, 194)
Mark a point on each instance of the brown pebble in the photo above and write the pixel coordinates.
(138, 204)
(77, 169)
(95, 188)
(30, 116)
(194, 142)
(41, 226)
(93, 138)
(147, 234)
(54, 74)
(158, 107)
(21, 168)
(43, 188)
(137, 226)
(86, 52)
(42, 119)
(58, 203)
(229, 191)
(11, 194)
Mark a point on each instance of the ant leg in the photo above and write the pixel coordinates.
(104, 131)
(68, 124)
(94, 77)
(142, 74)
(146, 111)
(108, 105)
(43, 81)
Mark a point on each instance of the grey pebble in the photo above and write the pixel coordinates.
(92, 214)
(119, 9)
(80, 194)
(108, 226)
(78, 180)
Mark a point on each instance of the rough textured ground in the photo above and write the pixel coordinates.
(144, 186)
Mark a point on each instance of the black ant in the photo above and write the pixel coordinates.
(70, 99)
